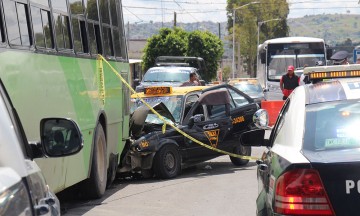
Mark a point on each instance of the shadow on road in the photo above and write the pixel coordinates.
(76, 206)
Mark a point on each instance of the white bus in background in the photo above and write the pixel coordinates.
(275, 55)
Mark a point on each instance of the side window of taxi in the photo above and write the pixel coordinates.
(237, 99)
(280, 121)
(189, 102)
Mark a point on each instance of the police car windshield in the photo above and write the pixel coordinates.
(249, 88)
(173, 103)
(163, 75)
(332, 125)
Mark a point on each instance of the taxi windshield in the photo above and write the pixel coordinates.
(249, 88)
(173, 103)
(332, 125)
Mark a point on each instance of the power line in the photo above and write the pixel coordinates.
(133, 14)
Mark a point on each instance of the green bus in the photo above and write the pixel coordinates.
(48, 63)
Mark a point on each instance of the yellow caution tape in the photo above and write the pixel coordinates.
(100, 80)
(101, 58)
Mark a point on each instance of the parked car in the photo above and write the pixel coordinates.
(312, 160)
(172, 71)
(249, 86)
(213, 115)
(23, 190)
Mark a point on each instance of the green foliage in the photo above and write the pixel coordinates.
(209, 47)
(177, 42)
(226, 73)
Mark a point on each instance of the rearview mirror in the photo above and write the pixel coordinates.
(196, 119)
(261, 119)
(60, 137)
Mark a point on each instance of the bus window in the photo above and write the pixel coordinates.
(42, 28)
(2, 31)
(92, 11)
(77, 37)
(76, 7)
(41, 2)
(117, 42)
(114, 14)
(37, 26)
(108, 49)
(16, 17)
(47, 29)
(104, 10)
(62, 31)
(59, 5)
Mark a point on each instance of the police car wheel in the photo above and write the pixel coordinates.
(241, 150)
(167, 163)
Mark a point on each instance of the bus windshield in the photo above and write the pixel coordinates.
(300, 55)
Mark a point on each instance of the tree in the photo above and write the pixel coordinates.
(208, 46)
(226, 73)
(177, 42)
(246, 21)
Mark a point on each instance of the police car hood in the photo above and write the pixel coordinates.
(139, 116)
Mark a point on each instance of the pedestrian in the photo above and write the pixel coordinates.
(289, 82)
(340, 58)
(193, 80)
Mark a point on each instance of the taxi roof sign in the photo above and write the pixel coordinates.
(332, 72)
(157, 90)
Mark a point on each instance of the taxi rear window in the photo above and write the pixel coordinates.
(332, 126)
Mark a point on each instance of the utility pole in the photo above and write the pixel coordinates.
(219, 31)
(174, 19)
(128, 35)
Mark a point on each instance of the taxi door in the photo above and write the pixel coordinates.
(209, 124)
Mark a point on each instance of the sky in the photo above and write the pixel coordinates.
(144, 11)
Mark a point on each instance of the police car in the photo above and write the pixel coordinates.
(312, 163)
(23, 190)
(213, 115)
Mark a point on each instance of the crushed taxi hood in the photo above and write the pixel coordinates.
(139, 116)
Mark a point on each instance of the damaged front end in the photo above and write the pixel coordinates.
(145, 128)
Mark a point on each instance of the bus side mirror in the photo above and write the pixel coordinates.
(263, 57)
(329, 53)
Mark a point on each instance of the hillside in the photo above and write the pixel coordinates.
(334, 28)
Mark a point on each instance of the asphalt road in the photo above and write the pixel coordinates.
(214, 187)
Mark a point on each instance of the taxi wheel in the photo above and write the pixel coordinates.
(94, 187)
(241, 150)
(167, 163)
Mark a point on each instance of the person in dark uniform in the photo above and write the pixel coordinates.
(289, 82)
(340, 58)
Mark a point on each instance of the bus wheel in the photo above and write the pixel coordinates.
(241, 150)
(167, 162)
(94, 187)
